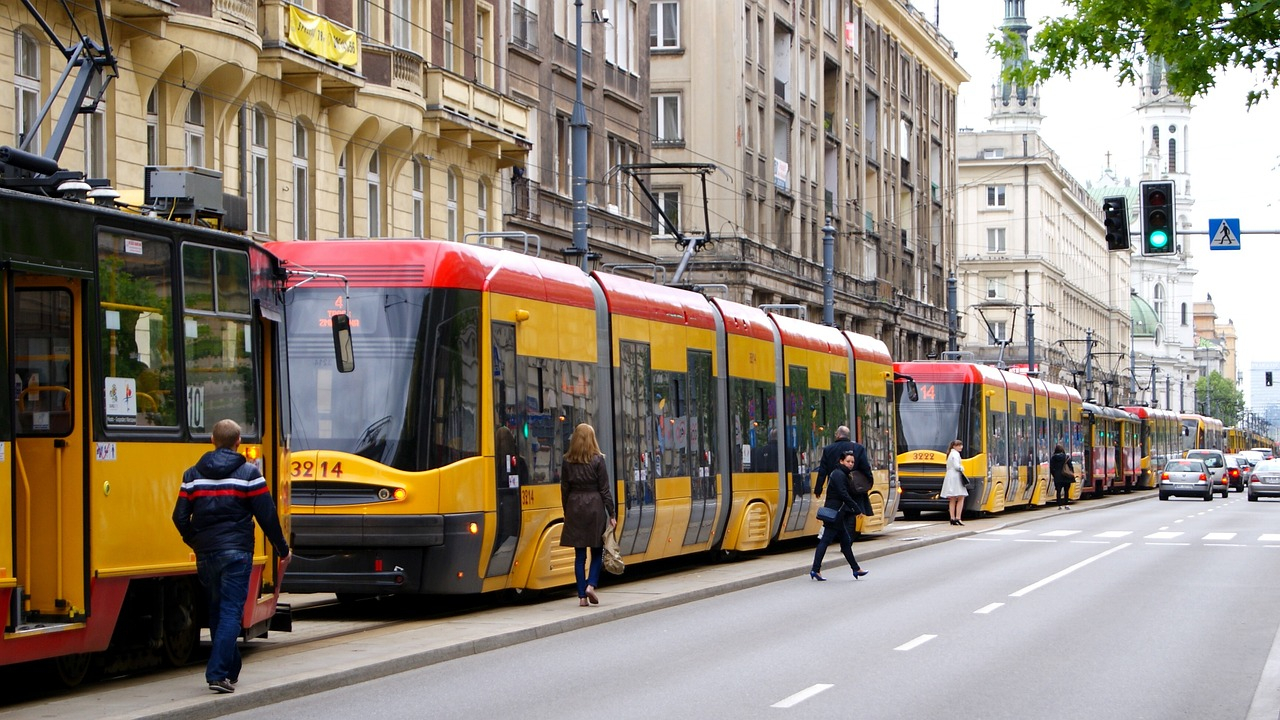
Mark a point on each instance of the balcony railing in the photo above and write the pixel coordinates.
(524, 27)
(240, 12)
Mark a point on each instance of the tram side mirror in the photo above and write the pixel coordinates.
(913, 392)
(342, 350)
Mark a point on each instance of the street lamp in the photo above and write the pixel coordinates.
(578, 146)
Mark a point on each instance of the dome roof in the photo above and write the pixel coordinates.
(1144, 317)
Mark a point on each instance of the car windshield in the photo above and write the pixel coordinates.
(1184, 466)
(1213, 460)
(1267, 466)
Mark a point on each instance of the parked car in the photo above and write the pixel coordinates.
(1265, 481)
(1237, 467)
(1187, 477)
(1216, 462)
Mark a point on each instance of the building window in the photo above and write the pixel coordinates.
(1155, 136)
(364, 16)
(831, 16)
(95, 134)
(482, 206)
(665, 124)
(995, 288)
(153, 129)
(373, 180)
(664, 25)
(620, 34)
(450, 11)
(401, 23)
(483, 62)
(1184, 314)
(1173, 155)
(193, 130)
(301, 181)
(996, 196)
(451, 206)
(620, 153)
(26, 88)
(524, 23)
(992, 153)
(259, 152)
(344, 197)
(1158, 298)
(997, 332)
(563, 154)
(669, 202)
(419, 203)
(995, 240)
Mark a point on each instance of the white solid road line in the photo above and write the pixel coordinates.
(803, 695)
(915, 643)
(1266, 699)
(1062, 573)
(988, 608)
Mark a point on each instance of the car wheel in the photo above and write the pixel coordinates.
(1253, 498)
(1164, 496)
(1209, 495)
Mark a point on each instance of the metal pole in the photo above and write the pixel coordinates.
(1088, 365)
(578, 124)
(828, 274)
(1133, 372)
(953, 344)
(1153, 385)
(1031, 326)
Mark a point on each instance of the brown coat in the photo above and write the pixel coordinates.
(588, 503)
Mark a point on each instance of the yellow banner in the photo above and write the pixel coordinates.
(318, 36)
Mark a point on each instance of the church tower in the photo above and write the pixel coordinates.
(1164, 120)
(1015, 108)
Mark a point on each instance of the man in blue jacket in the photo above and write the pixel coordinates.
(220, 498)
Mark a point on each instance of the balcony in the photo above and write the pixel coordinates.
(393, 67)
(476, 117)
(314, 63)
(524, 28)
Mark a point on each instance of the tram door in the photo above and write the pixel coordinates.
(43, 332)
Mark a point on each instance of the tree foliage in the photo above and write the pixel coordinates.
(1198, 39)
(1218, 397)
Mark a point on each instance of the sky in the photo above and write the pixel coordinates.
(1234, 160)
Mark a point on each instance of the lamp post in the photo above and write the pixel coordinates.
(578, 145)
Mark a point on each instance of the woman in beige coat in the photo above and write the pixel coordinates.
(588, 508)
(953, 484)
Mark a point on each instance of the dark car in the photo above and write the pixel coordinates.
(1237, 473)
(1186, 477)
(1265, 481)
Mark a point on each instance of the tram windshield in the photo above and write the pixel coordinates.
(944, 412)
(411, 401)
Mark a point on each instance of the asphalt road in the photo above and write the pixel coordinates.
(1140, 610)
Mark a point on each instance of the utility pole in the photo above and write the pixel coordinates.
(828, 274)
(953, 343)
(578, 143)
(1031, 325)
(1088, 365)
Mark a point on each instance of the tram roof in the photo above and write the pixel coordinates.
(636, 298)
(807, 335)
(436, 263)
(868, 349)
(744, 320)
(954, 372)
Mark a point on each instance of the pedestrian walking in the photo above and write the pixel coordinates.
(841, 528)
(954, 483)
(831, 461)
(1063, 472)
(589, 510)
(221, 496)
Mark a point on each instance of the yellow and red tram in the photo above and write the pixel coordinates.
(1160, 440)
(434, 467)
(125, 338)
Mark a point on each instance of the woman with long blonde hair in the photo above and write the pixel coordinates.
(588, 508)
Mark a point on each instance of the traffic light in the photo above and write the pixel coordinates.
(1158, 236)
(1115, 217)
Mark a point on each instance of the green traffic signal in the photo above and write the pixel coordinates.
(1157, 217)
(1158, 239)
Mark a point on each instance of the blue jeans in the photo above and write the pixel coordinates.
(580, 571)
(225, 577)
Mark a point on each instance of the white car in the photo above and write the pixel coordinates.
(1216, 462)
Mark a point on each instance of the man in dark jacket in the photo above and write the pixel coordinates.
(831, 458)
(220, 498)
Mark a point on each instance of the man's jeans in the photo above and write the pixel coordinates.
(225, 576)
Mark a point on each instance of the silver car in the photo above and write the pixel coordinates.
(1186, 477)
(1216, 462)
(1265, 481)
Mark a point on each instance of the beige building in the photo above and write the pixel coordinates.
(810, 111)
(325, 118)
(1032, 244)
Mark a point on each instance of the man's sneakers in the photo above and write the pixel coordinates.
(222, 686)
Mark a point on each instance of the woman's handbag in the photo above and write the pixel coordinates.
(964, 479)
(612, 556)
(826, 514)
(859, 483)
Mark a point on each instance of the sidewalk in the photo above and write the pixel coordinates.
(271, 676)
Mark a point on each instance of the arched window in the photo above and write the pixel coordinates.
(193, 130)
(1159, 303)
(1155, 136)
(26, 89)
(260, 170)
(373, 180)
(419, 203)
(482, 206)
(1184, 314)
(301, 181)
(1173, 155)
(153, 128)
(344, 191)
(451, 206)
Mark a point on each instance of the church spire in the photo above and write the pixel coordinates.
(1014, 107)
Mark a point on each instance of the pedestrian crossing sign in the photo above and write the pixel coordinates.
(1224, 234)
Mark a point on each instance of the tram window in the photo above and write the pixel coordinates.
(42, 371)
(137, 351)
(218, 338)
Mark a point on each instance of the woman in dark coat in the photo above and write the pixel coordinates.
(1063, 472)
(588, 508)
(841, 529)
